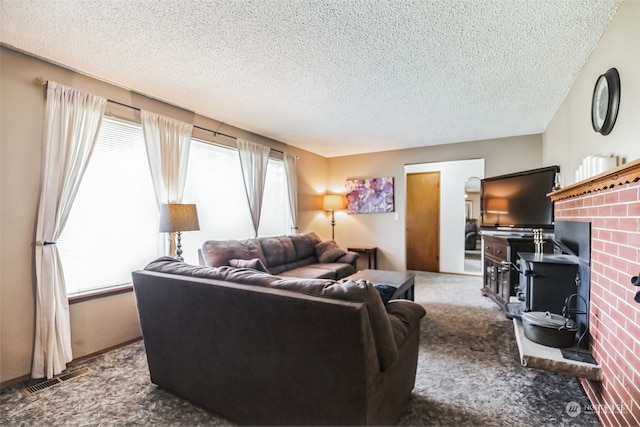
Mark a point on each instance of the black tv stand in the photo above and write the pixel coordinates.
(499, 254)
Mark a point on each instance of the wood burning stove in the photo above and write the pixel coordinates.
(559, 282)
(547, 281)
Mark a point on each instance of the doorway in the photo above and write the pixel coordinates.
(452, 207)
(472, 244)
(423, 221)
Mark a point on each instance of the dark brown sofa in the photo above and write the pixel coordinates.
(302, 255)
(264, 350)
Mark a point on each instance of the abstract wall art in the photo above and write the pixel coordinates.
(372, 195)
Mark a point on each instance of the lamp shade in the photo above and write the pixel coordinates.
(178, 217)
(333, 202)
(498, 206)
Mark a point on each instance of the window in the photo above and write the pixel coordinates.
(275, 219)
(112, 227)
(214, 183)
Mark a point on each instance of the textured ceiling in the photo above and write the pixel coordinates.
(333, 77)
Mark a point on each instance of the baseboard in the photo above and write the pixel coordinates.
(104, 350)
(15, 381)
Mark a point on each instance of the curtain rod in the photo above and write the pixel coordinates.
(42, 82)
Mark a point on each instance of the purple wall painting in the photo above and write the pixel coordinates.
(374, 195)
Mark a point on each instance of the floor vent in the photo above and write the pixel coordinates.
(31, 390)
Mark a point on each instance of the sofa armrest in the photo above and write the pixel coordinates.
(404, 317)
(350, 258)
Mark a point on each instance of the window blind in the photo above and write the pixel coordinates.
(112, 227)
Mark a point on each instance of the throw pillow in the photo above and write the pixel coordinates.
(328, 251)
(254, 263)
(386, 292)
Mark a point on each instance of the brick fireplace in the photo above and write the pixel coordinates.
(611, 202)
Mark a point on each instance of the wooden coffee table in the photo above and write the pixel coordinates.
(403, 281)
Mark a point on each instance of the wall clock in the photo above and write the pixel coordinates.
(605, 101)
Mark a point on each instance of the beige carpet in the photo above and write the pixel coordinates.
(468, 374)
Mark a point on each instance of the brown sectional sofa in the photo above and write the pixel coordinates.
(266, 350)
(301, 255)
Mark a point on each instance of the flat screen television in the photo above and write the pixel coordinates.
(518, 201)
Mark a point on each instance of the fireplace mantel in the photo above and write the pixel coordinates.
(627, 173)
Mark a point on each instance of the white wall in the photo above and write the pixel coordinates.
(570, 137)
(453, 176)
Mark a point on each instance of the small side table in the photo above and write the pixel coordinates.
(370, 251)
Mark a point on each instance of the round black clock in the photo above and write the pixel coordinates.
(605, 102)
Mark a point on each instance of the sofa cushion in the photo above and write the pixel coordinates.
(283, 268)
(309, 272)
(339, 269)
(217, 253)
(284, 253)
(278, 250)
(334, 270)
(328, 251)
(305, 244)
(254, 263)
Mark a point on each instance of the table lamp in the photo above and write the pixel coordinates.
(176, 218)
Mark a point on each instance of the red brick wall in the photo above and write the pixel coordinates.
(614, 315)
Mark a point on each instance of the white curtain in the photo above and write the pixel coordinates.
(292, 189)
(72, 122)
(254, 159)
(167, 141)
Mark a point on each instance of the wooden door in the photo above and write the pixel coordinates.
(423, 221)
